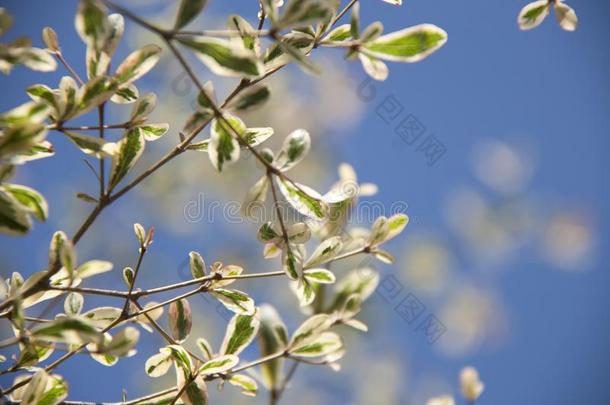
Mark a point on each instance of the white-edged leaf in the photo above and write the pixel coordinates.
(234, 300)
(129, 150)
(67, 330)
(566, 16)
(152, 132)
(272, 338)
(251, 98)
(252, 205)
(309, 329)
(247, 384)
(122, 344)
(197, 265)
(29, 199)
(188, 11)
(73, 304)
(223, 148)
(219, 364)
(92, 145)
(240, 332)
(533, 14)
(373, 67)
(137, 64)
(158, 364)
(408, 45)
(304, 199)
(320, 276)
(294, 149)
(102, 317)
(321, 345)
(325, 252)
(205, 347)
(180, 319)
(224, 57)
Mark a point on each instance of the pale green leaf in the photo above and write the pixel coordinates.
(224, 57)
(240, 332)
(129, 151)
(408, 45)
(180, 319)
(219, 364)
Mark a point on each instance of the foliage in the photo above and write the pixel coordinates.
(108, 334)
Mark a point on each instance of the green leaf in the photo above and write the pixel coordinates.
(67, 330)
(320, 276)
(94, 93)
(35, 389)
(225, 58)
(292, 261)
(325, 252)
(180, 319)
(372, 32)
(102, 317)
(188, 10)
(305, 292)
(299, 57)
(56, 391)
(197, 265)
(126, 94)
(20, 139)
(300, 13)
(321, 345)
(91, 23)
(396, 223)
(408, 45)
(247, 33)
(276, 56)
(267, 233)
(223, 148)
(304, 199)
(272, 338)
(310, 329)
(73, 304)
(533, 14)
(152, 132)
(34, 112)
(379, 231)
(196, 392)
(92, 145)
(339, 34)
(122, 344)
(240, 332)
(251, 98)
(206, 348)
(247, 384)
(137, 64)
(158, 364)
(294, 149)
(234, 300)
(93, 267)
(144, 106)
(129, 151)
(128, 276)
(182, 360)
(219, 364)
(30, 199)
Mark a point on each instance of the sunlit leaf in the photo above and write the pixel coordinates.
(240, 332)
(219, 364)
(129, 151)
(188, 10)
(225, 58)
(235, 300)
(408, 45)
(180, 319)
(533, 14)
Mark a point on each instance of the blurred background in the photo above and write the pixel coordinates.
(495, 146)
